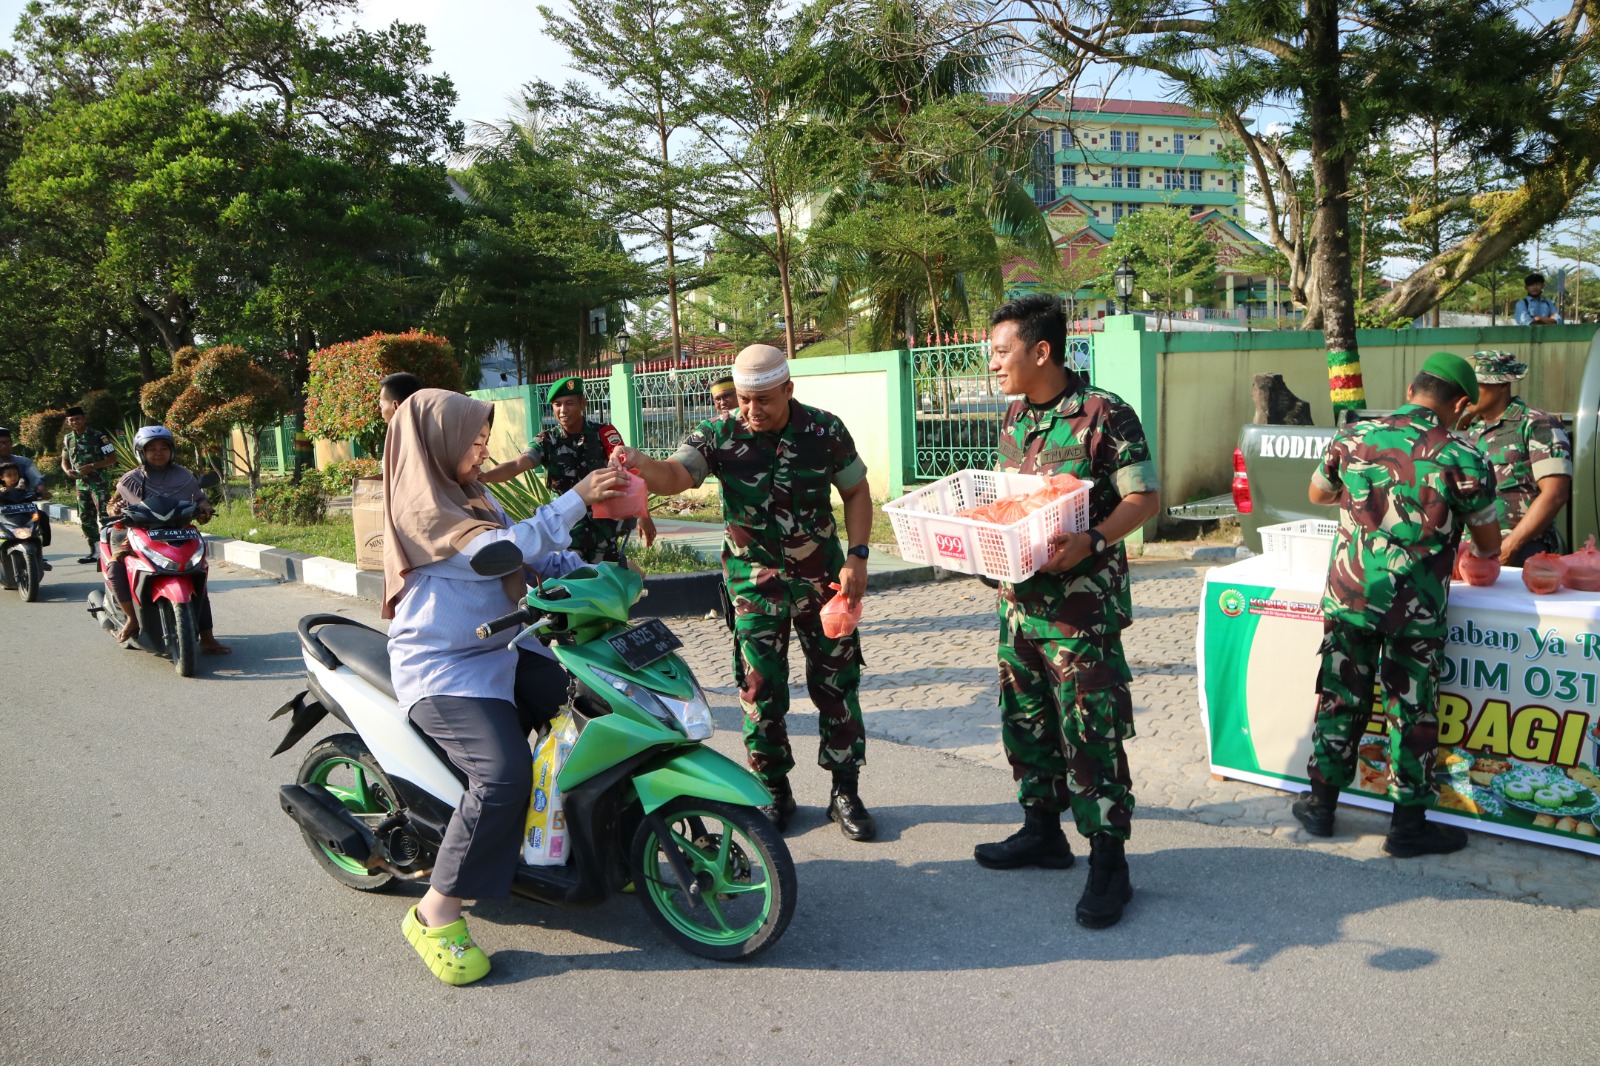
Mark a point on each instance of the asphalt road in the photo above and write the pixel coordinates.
(161, 909)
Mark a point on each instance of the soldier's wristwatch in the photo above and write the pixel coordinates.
(860, 551)
(1097, 542)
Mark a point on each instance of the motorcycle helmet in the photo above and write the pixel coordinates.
(148, 434)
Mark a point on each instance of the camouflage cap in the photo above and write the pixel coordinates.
(1454, 369)
(1498, 368)
(564, 387)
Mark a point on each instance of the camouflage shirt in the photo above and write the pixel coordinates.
(1089, 433)
(1407, 489)
(1523, 445)
(90, 446)
(777, 501)
(567, 460)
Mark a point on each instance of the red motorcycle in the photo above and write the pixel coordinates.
(166, 560)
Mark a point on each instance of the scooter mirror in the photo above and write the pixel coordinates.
(209, 480)
(501, 557)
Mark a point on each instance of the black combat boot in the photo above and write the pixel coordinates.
(1314, 809)
(782, 805)
(846, 808)
(1040, 842)
(1108, 890)
(1411, 834)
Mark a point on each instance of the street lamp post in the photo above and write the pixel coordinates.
(1122, 277)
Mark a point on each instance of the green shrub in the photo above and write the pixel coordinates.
(102, 410)
(41, 433)
(304, 504)
(342, 390)
(338, 476)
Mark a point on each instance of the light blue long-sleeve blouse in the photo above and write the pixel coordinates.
(434, 649)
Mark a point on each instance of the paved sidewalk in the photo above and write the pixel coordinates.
(930, 681)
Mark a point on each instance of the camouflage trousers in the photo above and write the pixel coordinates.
(596, 541)
(1407, 671)
(833, 678)
(94, 493)
(1065, 710)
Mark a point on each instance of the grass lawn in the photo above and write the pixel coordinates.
(334, 537)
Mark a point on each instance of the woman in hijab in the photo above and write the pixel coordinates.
(460, 690)
(158, 475)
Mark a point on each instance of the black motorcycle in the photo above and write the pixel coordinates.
(21, 553)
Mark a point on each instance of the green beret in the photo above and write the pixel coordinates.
(564, 387)
(1454, 369)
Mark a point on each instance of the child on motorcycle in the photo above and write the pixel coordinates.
(462, 691)
(158, 475)
(12, 489)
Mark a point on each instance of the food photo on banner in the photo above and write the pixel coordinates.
(1518, 691)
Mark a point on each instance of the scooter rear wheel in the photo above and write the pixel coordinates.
(742, 867)
(343, 765)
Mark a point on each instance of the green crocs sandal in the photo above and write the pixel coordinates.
(448, 950)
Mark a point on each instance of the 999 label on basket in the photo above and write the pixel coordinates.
(950, 546)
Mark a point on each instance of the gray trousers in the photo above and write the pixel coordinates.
(488, 741)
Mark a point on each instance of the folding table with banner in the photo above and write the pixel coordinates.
(1518, 746)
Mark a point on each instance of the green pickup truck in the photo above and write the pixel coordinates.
(1272, 469)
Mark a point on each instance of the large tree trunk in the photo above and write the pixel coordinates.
(1330, 167)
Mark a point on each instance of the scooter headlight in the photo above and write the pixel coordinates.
(22, 532)
(692, 716)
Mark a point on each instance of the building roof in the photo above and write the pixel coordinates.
(1094, 105)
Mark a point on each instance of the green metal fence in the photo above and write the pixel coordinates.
(670, 403)
(959, 405)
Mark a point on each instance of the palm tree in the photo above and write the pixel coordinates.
(926, 203)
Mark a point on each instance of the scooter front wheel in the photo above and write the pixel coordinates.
(742, 873)
(178, 634)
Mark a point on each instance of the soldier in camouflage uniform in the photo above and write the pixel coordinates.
(87, 456)
(1065, 707)
(1406, 488)
(1531, 455)
(777, 463)
(569, 451)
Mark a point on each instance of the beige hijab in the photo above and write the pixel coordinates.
(427, 514)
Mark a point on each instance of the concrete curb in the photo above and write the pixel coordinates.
(1200, 553)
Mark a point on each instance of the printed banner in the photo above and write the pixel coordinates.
(1518, 696)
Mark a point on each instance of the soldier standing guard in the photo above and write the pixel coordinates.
(1065, 708)
(1405, 488)
(87, 455)
(1530, 453)
(778, 461)
(575, 447)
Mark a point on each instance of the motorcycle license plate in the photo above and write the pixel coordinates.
(173, 536)
(645, 643)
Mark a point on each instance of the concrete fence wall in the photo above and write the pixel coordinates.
(1192, 390)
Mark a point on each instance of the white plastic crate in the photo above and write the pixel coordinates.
(928, 531)
(1302, 545)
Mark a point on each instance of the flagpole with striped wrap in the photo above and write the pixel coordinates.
(1345, 387)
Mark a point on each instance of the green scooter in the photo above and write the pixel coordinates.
(646, 806)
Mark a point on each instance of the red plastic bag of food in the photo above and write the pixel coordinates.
(1009, 510)
(1476, 570)
(1062, 484)
(1581, 569)
(633, 503)
(839, 619)
(1543, 573)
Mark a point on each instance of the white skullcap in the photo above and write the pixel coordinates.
(759, 367)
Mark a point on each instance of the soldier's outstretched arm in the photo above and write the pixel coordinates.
(507, 470)
(664, 477)
(1486, 539)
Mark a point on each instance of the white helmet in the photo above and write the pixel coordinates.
(148, 434)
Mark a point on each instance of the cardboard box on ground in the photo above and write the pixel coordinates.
(366, 512)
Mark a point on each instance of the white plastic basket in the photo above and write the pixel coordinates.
(1303, 545)
(928, 531)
